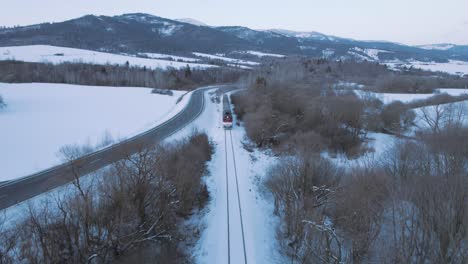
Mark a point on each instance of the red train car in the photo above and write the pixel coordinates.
(227, 114)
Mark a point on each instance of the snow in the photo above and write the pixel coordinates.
(18, 212)
(304, 35)
(370, 53)
(262, 54)
(327, 53)
(387, 98)
(451, 67)
(192, 21)
(378, 143)
(257, 208)
(56, 55)
(230, 60)
(239, 66)
(41, 118)
(457, 112)
(437, 46)
(357, 55)
(169, 30)
(167, 57)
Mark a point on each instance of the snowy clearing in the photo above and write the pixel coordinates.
(57, 55)
(371, 53)
(436, 46)
(257, 209)
(262, 54)
(41, 118)
(387, 98)
(230, 60)
(378, 143)
(239, 66)
(452, 67)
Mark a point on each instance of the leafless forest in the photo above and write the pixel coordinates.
(409, 206)
(313, 101)
(135, 203)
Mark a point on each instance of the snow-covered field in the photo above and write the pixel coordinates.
(168, 57)
(262, 54)
(41, 118)
(452, 67)
(226, 59)
(56, 55)
(387, 98)
(257, 209)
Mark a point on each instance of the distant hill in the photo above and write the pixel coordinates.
(134, 33)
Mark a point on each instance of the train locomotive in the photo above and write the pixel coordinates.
(227, 113)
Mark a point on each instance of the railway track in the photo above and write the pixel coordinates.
(233, 209)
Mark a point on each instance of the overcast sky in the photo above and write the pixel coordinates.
(405, 21)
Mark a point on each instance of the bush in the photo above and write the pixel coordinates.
(397, 116)
(162, 91)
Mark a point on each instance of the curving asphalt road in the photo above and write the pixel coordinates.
(16, 191)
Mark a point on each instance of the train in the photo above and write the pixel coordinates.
(227, 113)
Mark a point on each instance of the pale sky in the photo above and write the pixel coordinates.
(405, 21)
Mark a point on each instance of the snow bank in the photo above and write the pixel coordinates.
(41, 118)
(56, 55)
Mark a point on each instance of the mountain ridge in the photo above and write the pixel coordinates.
(139, 32)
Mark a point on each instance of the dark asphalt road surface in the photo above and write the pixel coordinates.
(16, 191)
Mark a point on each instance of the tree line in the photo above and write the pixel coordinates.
(115, 75)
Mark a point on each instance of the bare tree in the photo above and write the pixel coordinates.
(302, 189)
(135, 203)
(440, 116)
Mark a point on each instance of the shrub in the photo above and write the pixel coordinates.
(162, 91)
(397, 116)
